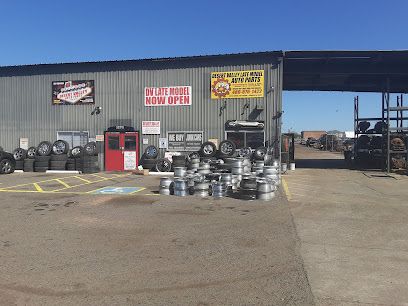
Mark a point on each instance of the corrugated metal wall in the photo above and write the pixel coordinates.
(26, 109)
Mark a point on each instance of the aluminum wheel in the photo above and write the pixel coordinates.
(59, 147)
(90, 148)
(76, 151)
(163, 165)
(208, 149)
(151, 152)
(227, 148)
(6, 166)
(19, 154)
(31, 152)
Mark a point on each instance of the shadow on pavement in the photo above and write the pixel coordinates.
(321, 163)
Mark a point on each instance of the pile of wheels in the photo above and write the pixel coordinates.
(252, 180)
(57, 156)
(246, 174)
(207, 153)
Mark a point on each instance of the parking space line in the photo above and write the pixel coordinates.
(100, 176)
(141, 188)
(286, 189)
(63, 183)
(35, 191)
(39, 189)
(101, 180)
(38, 182)
(82, 179)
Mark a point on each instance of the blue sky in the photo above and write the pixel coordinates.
(46, 31)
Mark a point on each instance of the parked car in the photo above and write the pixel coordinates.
(303, 141)
(311, 141)
(7, 163)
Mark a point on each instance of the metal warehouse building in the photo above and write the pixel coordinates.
(33, 107)
(233, 96)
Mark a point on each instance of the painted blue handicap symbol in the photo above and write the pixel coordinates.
(117, 190)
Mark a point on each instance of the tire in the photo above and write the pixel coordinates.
(194, 155)
(260, 153)
(77, 152)
(90, 158)
(227, 148)
(44, 148)
(28, 169)
(61, 157)
(58, 164)
(151, 152)
(60, 147)
(7, 166)
(40, 169)
(40, 158)
(28, 162)
(19, 165)
(90, 165)
(179, 161)
(208, 149)
(163, 165)
(149, 164)
(90, 170)
(41, 164)
(245, 152)
(78, 167)
(70, 161)
(180, 158)
(31, 152)
(90, 149)
(1, 149)
(70, 167)
(19, 154)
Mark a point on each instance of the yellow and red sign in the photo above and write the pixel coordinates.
(237, 84)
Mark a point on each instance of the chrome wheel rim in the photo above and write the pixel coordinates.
(226, 148)
(6, 167)
(208, 149)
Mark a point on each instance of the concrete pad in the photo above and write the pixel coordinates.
(353, 231)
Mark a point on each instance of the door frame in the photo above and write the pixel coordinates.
(120, 133)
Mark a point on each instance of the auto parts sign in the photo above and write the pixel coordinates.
(73, 92)
(237, 84)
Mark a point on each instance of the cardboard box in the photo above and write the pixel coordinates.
(141, 172)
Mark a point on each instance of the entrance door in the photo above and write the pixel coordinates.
(121, 151)
(130, 150)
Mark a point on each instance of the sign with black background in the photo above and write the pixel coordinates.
(184, 141)
(73, 92)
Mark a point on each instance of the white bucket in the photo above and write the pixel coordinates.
(284, 167)
(292, 166)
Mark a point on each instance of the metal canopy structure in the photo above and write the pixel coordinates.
(354, 71)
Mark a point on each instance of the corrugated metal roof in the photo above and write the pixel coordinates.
(163, 59)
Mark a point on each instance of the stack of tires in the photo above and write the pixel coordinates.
(19, 155)
(89, 159)
(42, 159)
(179, 161)
(30, 159)
(149, 158)
(59, 156)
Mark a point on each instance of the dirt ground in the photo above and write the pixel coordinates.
(77, 246)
